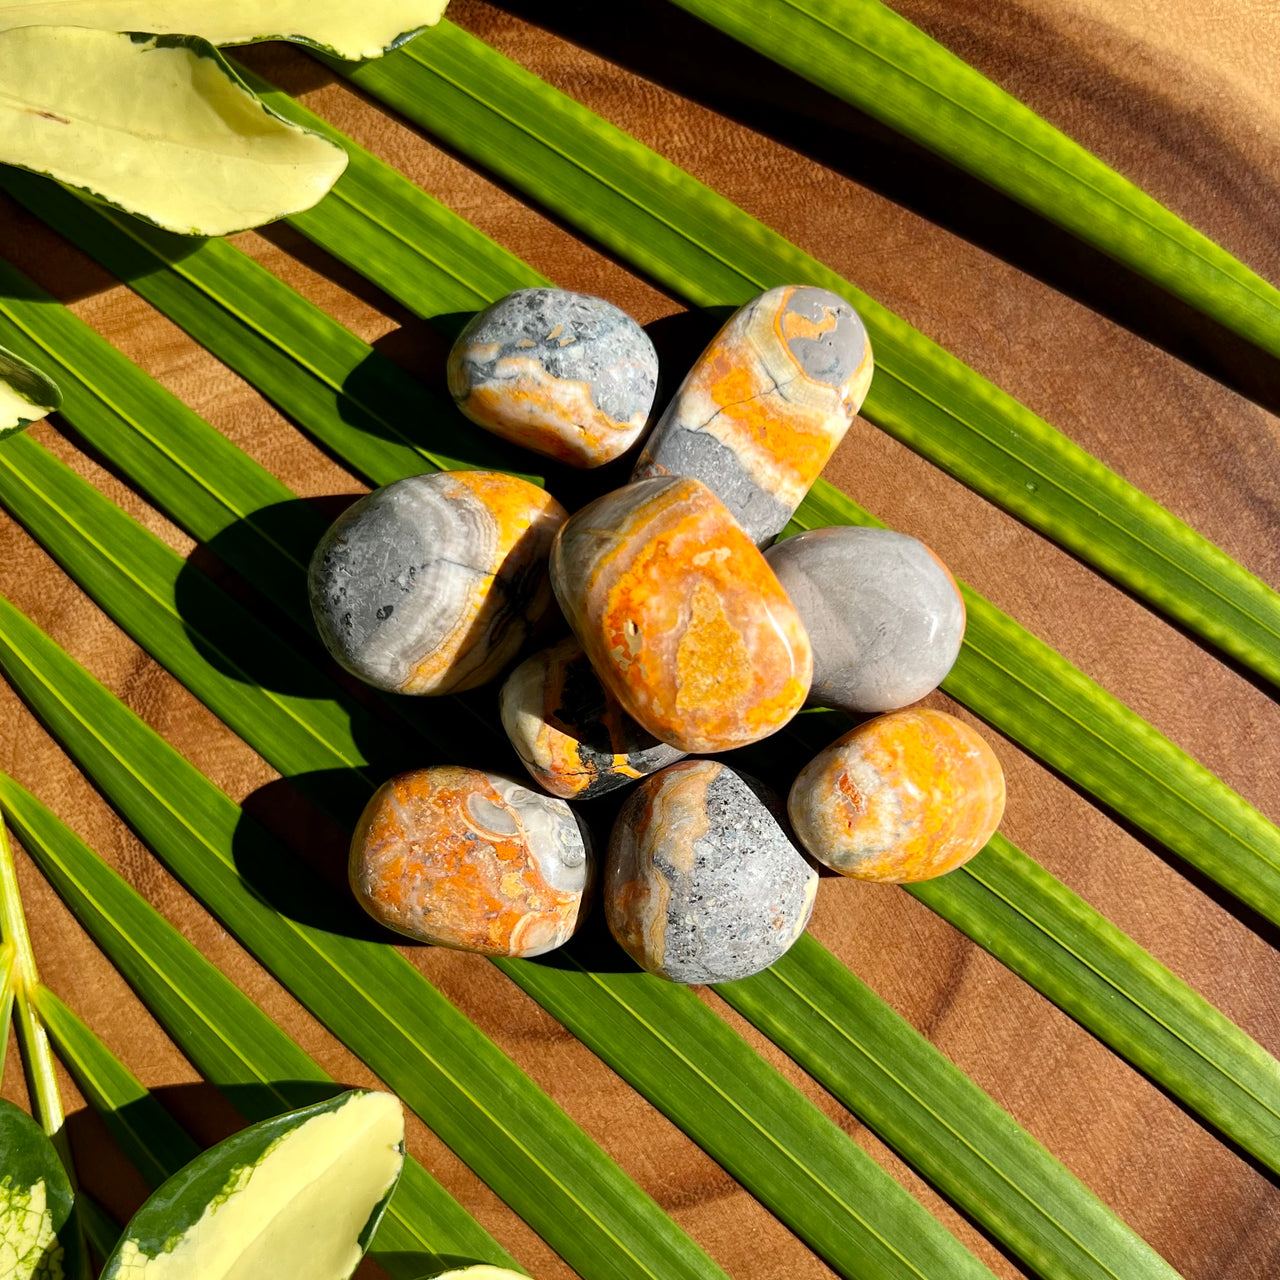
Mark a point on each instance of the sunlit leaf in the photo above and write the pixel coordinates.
(39, 1239)
(295, 1197)
(26, 394)
(345, 30)
(158, 126)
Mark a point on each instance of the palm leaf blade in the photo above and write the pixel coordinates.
(863, 52)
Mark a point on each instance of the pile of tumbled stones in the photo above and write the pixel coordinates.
(691, 636)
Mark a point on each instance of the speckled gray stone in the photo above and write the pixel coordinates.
(701, 882)
(432, 584)
(884, 616)
(765, 405)
(565, 374)
(570, 732)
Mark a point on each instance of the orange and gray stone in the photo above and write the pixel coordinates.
(570, 732)
(681, 616)
(884, 616)
(906, 796)
(564, 374)
(765, 405)
(473, 861)
(432, 584)
(701, 883)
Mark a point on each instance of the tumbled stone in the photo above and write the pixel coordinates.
(570, 732)
(432, 584)
(473, 861)
(681, 615)
(701, 882)
(884, 616)
(765, 405)
(564, 374)
(906, 796)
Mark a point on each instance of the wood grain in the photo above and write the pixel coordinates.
(1182, 99)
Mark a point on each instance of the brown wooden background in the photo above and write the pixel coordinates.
(1180, 96)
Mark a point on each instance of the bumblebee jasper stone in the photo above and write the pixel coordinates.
(570, 732)
(471, 860)
(561, 373)
(681, 616)
(765, 405)
(884, 616)
(701, 883)
(432, 584)
(906, 796)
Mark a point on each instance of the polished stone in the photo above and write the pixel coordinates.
(906, 796)
(570, 732)
(432, 584)
(883, 614)
(681, 615)
(701, 882)
(564, 374)
(473, 861)
(764, 407)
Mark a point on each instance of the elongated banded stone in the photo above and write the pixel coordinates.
(571, 733)
(883, 614)
(432, 584)
(564, 374)
(906, 796)
(701, 882)
(765, 405)
(473, 861)
(681, 615)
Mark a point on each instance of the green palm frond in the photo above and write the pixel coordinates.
(672, 1047)
(863, 52)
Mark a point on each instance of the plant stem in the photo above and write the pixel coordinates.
(33, 1042)
(6, 999)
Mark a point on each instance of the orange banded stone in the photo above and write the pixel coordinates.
(569, 730)
(473, 861)
(906, 796)
(681, 615)
(766, 404)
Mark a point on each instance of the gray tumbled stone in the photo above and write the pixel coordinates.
(564, 374)
(884, 615)
(432, 584)
(702, 884)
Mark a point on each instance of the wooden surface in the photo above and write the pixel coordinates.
(1181, 97)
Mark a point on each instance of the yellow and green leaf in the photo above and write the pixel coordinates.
(39, 1239)
(299, 1195)
(26, 394)
(343, 29)
(159, 126)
